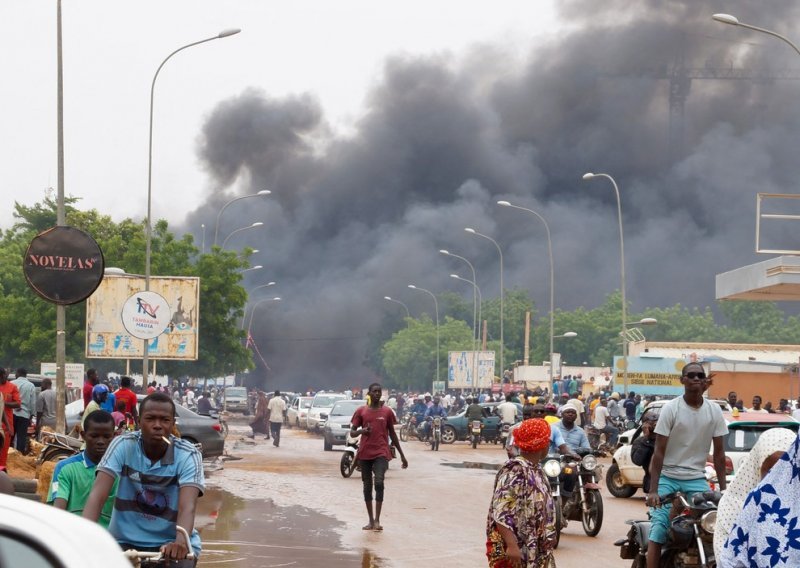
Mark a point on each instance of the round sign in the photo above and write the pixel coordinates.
(63, 265)
(146, 315)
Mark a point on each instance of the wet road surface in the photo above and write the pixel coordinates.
(290, 506)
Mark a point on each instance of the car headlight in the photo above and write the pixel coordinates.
(708, 522)
(552, 468)
(589, 462)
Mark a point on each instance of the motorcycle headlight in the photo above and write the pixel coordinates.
(708, 522)
(552, 468)
(589, 462)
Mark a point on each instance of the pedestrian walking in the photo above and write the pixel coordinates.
(276, 407)
(23, 414)
(375, 424)
(10, 395)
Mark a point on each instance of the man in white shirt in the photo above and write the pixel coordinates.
(757, 406)
(602, 424)
(276, 407)
(507, 411)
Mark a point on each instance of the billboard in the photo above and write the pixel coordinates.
(461, 369)
(107, 336)
(650, 375)
(73, 373)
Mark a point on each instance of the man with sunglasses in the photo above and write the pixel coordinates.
(687, 426)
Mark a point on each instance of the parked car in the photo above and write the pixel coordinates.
(297, 415)
(456, 427)
(320, 408)
(193, 427)
(36, 535)
(624, 477)
(236, 400)
(338, 423)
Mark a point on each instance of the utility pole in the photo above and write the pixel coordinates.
(61, 220)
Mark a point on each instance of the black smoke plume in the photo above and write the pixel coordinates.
(354, 218)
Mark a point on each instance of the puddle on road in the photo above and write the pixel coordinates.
(473, 465)
(259, 534)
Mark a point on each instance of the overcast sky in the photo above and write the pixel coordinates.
(331, 50)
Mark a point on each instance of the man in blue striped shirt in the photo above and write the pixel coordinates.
(159, 483)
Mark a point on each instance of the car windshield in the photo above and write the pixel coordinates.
(239, 392)
(346, 407)
(742, 437)
(325, 401)
(305, 402)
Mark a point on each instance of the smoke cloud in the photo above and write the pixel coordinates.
(354, 218)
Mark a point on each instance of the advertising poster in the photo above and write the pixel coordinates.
(650, 375)
(178, 333)
(461, 369)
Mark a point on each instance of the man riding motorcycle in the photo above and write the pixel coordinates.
(575, 439)
(436, 410)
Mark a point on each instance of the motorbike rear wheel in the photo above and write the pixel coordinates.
(404, 433)
(347, 465)
(559, 516)
(593, 519)
(475, 441)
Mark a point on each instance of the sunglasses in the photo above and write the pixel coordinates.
(693, 375)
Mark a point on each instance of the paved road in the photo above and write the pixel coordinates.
(435, 511)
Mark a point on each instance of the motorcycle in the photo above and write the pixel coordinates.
(348, 464)
(436, 433)
(504, 430)
(586, 503)
(476, 426)
(408, 425)
(551, 465)
(58, 447)
(691, 535)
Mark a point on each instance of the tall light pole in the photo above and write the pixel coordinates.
(567, 335)
(61, 219)
(588, 176)
(477, 292)
(234, 200)
(552, 273)
(389, 299)
(502, 309)
(256, 267)
(253, 311)
(435, 305)
(734, 21)
(148, 222)
(474, 291)
(259, 287)
(239, 230)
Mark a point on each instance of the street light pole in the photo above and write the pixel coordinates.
(235, 199)
(474, 291)
(244, 314)
(734, 21)
(552, 273)
(148, 222)
(502, 309)
(436, 306)
(408, 314)
(588, 176)
(61, 219)
(239, 230)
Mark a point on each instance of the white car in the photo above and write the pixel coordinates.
(624, 477)
(320, 408)
(297, 415)
(40, 536)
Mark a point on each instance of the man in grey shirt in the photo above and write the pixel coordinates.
(687, 426)
(22, 415)
(46, 407)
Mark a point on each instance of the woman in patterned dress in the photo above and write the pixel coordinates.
(520, 528)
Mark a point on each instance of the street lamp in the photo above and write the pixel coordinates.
(408, 314)
(567, 335)
(734, 21)
(552, 273)
(148, 223)
(588, 176)
(267, 285)
(436, 305)
(216, 226)
(253, 311)
(240, 229)
(256, 267)
(502, 311)
(474, 292)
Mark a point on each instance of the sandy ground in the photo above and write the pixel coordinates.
(431, 512)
